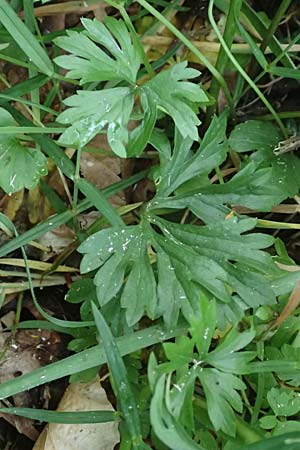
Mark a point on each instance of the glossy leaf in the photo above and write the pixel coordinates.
(218, 258)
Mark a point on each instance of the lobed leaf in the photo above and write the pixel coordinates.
(92, 112)
(160, 268)
(173, 96)
(89, 62)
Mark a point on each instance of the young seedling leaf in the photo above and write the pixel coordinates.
(222, 397)
(219, 381)
(165, 425)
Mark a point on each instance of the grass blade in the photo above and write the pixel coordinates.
(24, 38)
(288, 441)
(58, 219)
(87, 359)
(62, 417)
(119, 375)
(98, 199)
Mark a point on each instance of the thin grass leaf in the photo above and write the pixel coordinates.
(56, 220)
(120, 378)
(285, 72)
(24, 87)
(87, 359)
(257, 53)
(62, 417)
(98, 199)
(24, 38)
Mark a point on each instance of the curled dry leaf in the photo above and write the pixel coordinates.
(100, 436)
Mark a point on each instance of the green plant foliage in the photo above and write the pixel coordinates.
(92, 111)
(216, 371)
(20, 166)
(283, 402)
(91, 63)
(190, 304)
(217, 258)
(262, 137)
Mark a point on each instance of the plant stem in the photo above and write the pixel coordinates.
(261, 223)
(282, 7)
(242, 71)
(235, 5)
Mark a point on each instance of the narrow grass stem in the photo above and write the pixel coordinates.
(191, 47)
(241, 70)
(222, 59)
(282, 7)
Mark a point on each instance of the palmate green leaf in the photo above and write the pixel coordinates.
(89, 62)
(20, 166)
(215, 370)
(117, 59)
(91, 112)
(160, 268)
(189, 258)
(172, 95)
(257, 186)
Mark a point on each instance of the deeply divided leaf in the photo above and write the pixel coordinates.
(160, 268)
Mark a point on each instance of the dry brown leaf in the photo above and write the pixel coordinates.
(56, 240)
(101, 436)
(102, 170)
(12, 204)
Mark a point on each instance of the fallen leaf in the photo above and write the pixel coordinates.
(101, 436)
